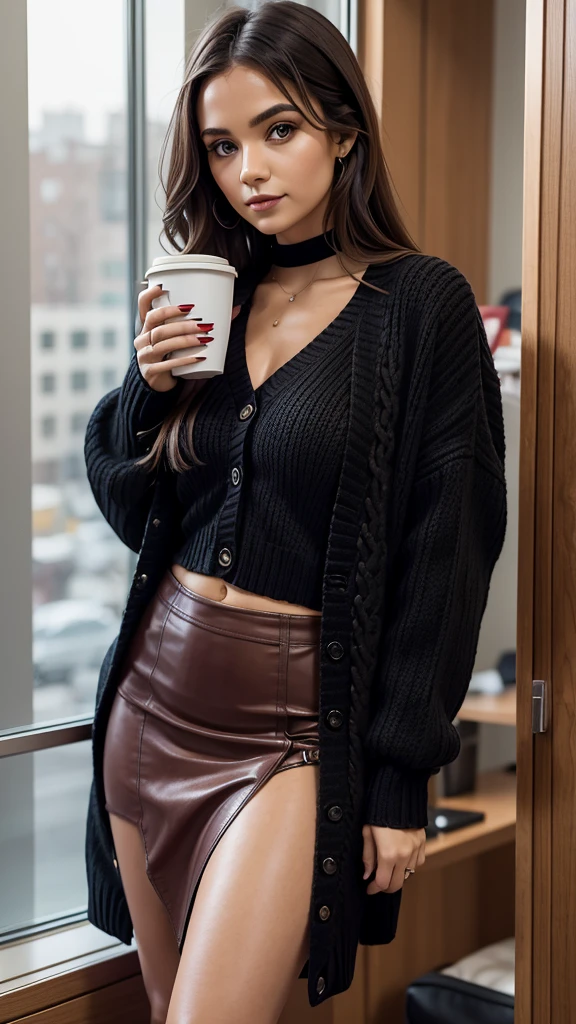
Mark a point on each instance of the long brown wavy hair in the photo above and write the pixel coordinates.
(287, 43)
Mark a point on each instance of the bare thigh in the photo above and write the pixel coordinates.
(247, 938)
(157, 946)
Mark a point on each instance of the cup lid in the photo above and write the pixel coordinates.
(190, 257)
(190, 261)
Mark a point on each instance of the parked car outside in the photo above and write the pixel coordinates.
(70, 635)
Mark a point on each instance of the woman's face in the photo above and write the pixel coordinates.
(253, 150)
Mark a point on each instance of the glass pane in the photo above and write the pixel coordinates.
(331, 9)
(80, 312)
(44, 796)
(165, 60)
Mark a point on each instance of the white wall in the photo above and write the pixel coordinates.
(505, 250)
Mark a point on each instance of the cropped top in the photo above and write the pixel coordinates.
(257, 514)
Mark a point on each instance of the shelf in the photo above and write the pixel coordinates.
(495, 795)
(493, 709)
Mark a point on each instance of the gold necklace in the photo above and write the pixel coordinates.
(292, 295)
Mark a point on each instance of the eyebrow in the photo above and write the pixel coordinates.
(276, 109)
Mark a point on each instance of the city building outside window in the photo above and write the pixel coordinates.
(79, 339)
(48, 426)
(79, 380)
(79, 422)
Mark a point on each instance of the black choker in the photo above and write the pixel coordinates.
(298, 254)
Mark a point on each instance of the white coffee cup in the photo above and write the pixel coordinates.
(208, 283)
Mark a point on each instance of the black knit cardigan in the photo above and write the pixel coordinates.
(417, 526)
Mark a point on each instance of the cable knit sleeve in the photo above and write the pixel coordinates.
(437, 589)
(113, 446)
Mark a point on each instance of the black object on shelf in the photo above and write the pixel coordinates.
(507, 667)
(448, 819)
(513, 299)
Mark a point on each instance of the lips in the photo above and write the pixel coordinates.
(264, 202)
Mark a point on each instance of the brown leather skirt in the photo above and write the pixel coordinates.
(213, 699)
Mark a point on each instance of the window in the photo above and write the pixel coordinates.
(112, 195)
(113, 269)
(79, 422)
(72, 181)
(50, 190)
(112, 299)
(47, 339)
(79, 380)
(79, 339)
(48, 426)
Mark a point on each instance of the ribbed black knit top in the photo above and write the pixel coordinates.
(257, 514)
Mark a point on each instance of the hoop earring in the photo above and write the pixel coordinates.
(229, 227)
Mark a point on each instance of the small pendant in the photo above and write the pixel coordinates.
(275, 323)
(291, 299)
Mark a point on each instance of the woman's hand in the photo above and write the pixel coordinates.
(157, 351)
(391, 851)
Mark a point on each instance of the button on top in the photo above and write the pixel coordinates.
(329, 865)
(225, 556)
(156, 522)
(334, 719)
(320, 985)
(324, 913)
(236, 474)
(141, 581)
(335, 650)
(335, 812)
(246, 412)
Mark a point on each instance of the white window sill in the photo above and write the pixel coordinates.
(59, 965)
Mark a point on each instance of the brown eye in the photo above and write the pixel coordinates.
(223, 142)
(284, 124)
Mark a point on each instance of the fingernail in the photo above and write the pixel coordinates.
(186, 308)
(206, 339)
(205, 327)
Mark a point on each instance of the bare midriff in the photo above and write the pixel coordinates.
(219, 590)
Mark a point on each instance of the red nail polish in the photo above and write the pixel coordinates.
(186, 308)
(205, 327)
(206, 339)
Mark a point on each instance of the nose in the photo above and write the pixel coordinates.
(254, 168)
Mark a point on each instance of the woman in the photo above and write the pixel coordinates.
(316, 530)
